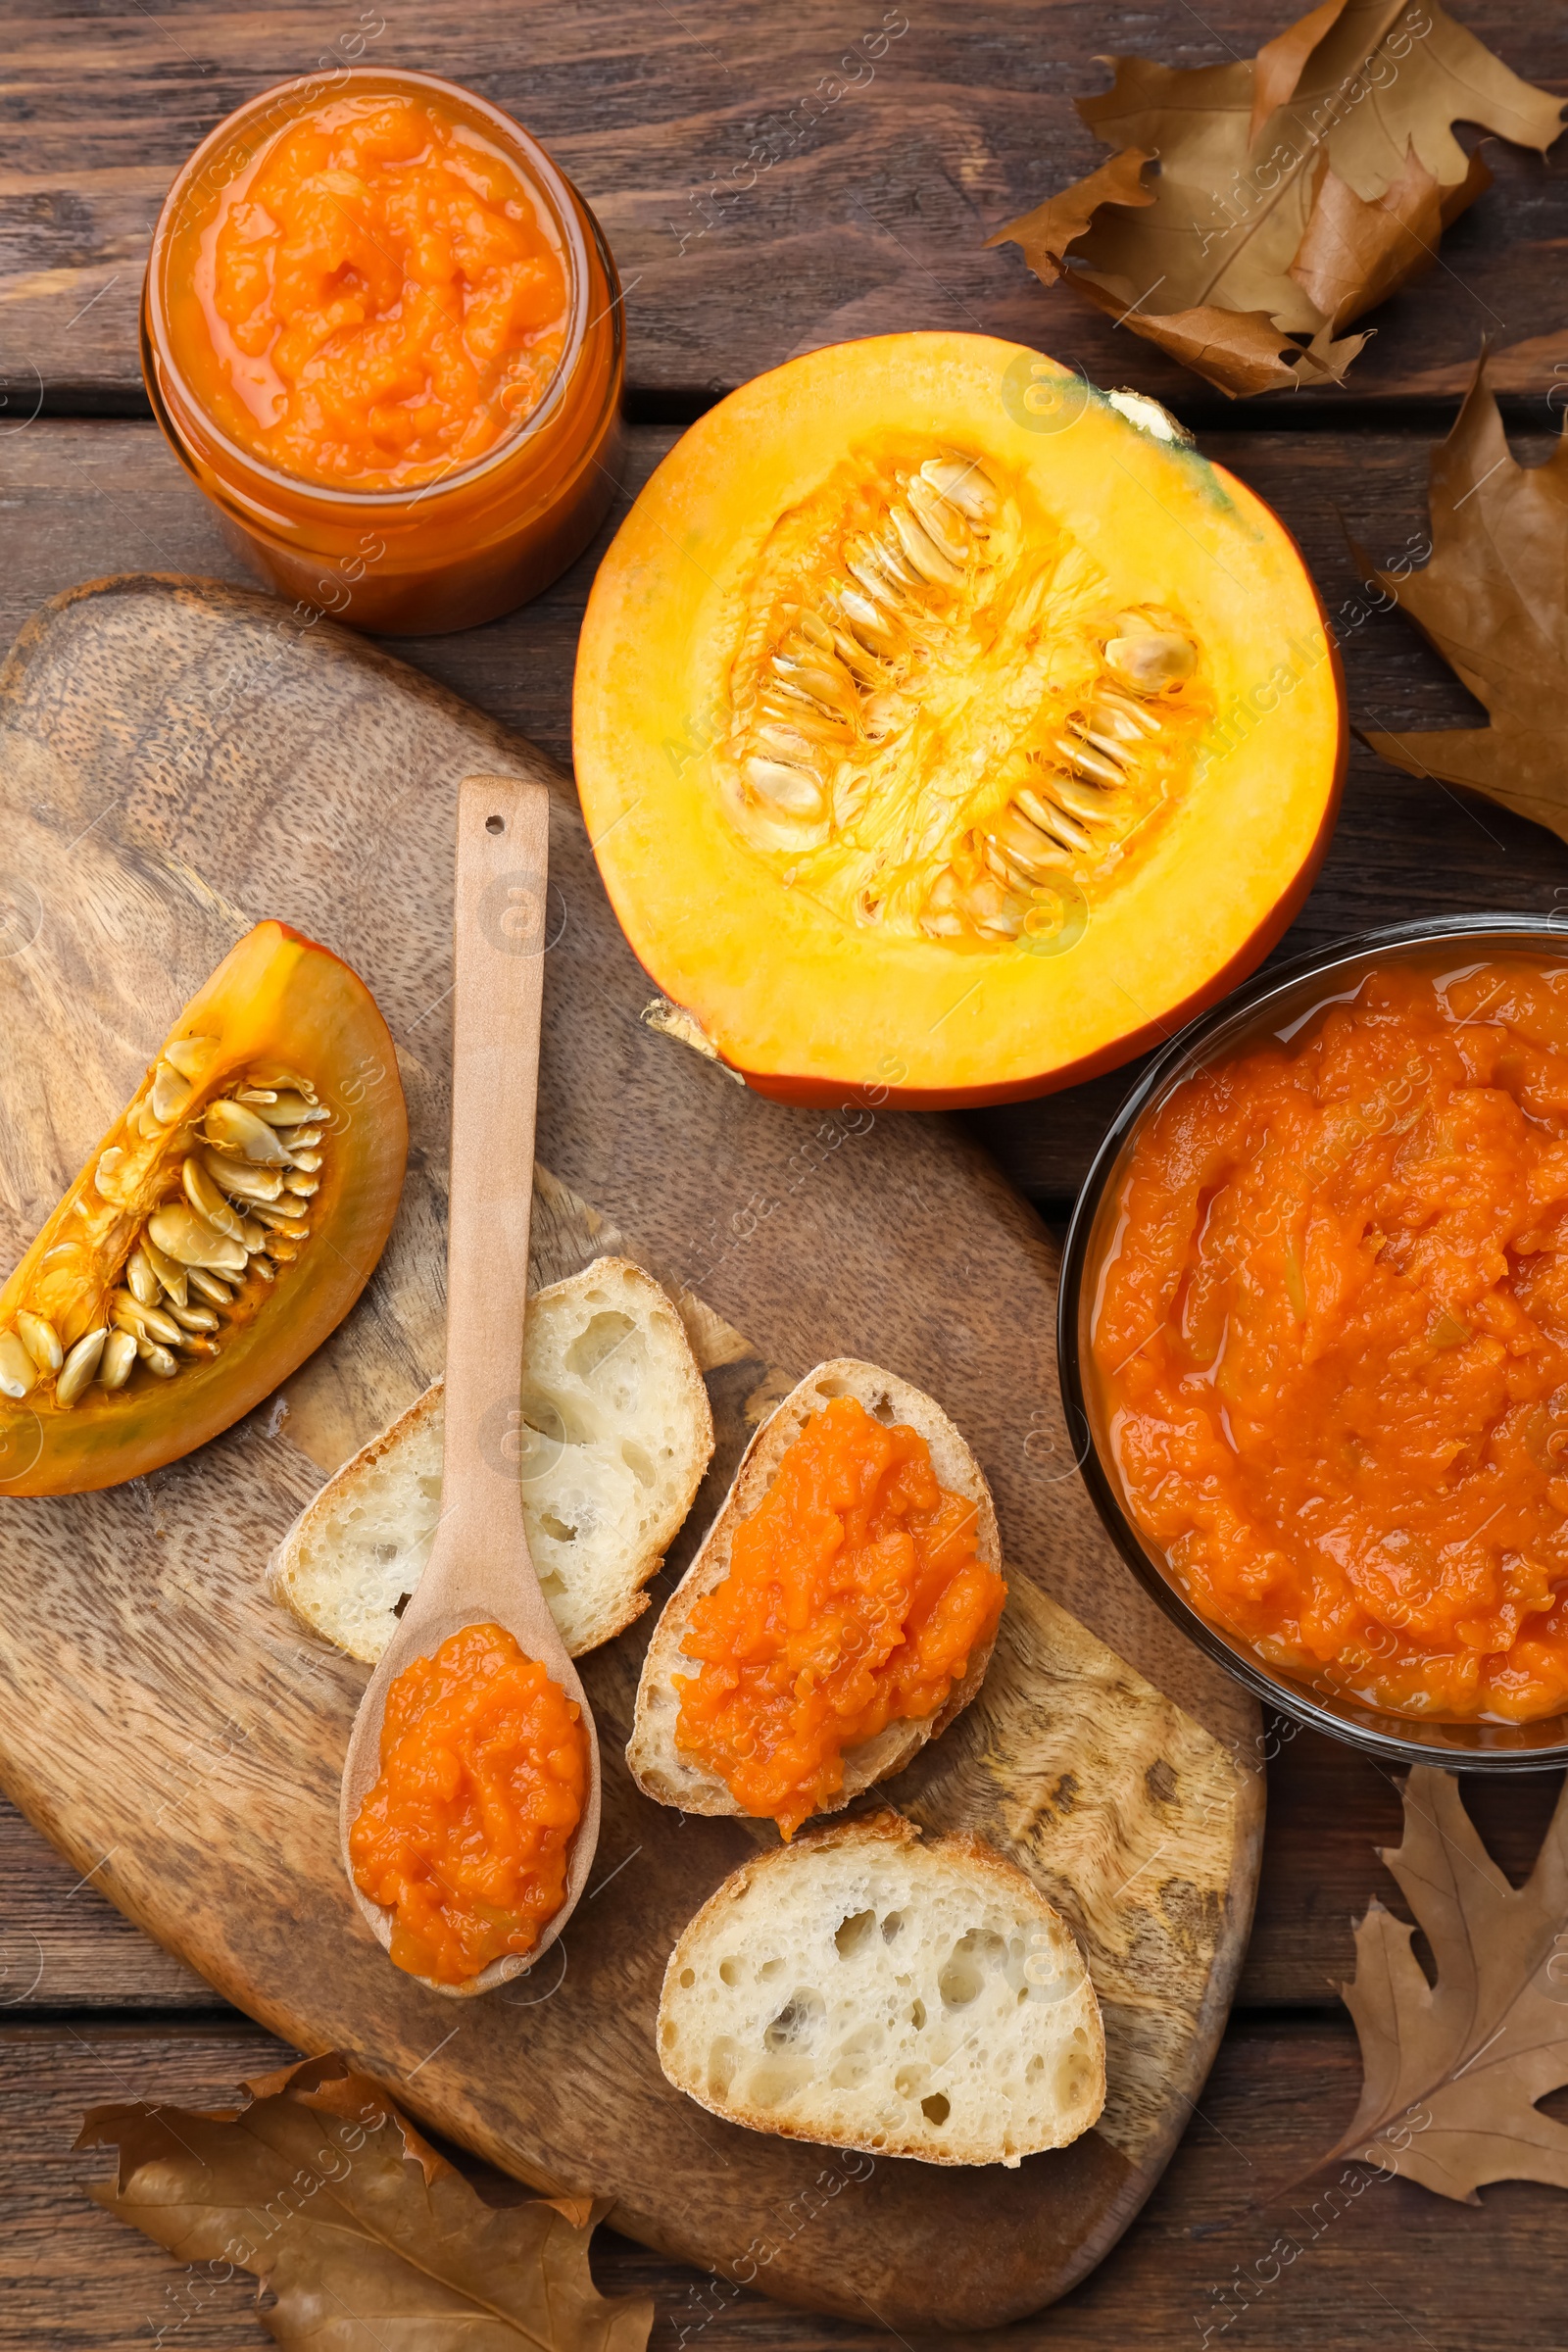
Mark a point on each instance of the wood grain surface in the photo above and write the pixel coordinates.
(172, 760)
(769, 177)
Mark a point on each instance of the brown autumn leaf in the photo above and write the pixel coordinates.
(1282, 196)
(1493, 601)
(355, 2224)
(1454, 2067)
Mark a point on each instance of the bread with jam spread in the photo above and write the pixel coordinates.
(659, 1764)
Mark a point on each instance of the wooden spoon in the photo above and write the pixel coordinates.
(479, 1570)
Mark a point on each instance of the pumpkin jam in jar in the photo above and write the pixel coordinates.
(384, 332)
(381, 299)
(1332, 1341)
(466, 1834)
(854, 1599)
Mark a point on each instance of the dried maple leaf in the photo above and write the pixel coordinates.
(1282, 195)
(1454, 2067)
(323, 2190)
(1494, 600)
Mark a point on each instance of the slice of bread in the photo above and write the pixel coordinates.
(867, 1987)
(618, 1432)
(657, 1765)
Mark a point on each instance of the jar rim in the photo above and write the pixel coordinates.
(545, 177)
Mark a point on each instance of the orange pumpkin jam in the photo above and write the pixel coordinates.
(854, 1599)
(1331, 1336)
(465, 1836)
(382, 298)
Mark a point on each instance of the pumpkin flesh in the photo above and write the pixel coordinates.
(221, 1230)
(946, 740)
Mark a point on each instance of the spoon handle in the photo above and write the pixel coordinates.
(499, 924)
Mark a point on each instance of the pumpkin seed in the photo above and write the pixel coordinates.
(170, 1093)
(19, 1374)
(267, 1080)
(301, 1183)
(190, 1241)
(964, 483)
(940, 519)
(140, 1277)
(1086, 762)
(1149, 664)
(190, 1318)
(126, 1314)
(79, 1367)
(107, 1173)
(118, 1355)
(277, 1110)
(210, 1286)
(790, 789)
(41, 1340)
(232, 1127)
(157, 1360)
(922, 551)
(191, 1056)
(286, 1216)
(170, 1275)
(240, 1180)
(208, 1202)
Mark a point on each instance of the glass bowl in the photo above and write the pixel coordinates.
(1276, 1000)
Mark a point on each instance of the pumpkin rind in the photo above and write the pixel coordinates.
(807, 1001)
(277, 998)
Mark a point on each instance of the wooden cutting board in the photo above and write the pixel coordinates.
(177, 761)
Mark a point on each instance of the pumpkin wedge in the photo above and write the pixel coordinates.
(223, 1228)
(948, 729)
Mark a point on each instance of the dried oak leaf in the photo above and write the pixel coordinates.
(1454, 2067)
(1493, 601)
(359, 2229)
(1282, 195)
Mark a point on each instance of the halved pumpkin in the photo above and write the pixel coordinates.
(225, 1225)
(948, 729)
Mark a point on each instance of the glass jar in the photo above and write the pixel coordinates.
(455, 551)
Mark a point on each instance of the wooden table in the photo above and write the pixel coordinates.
(868, 216)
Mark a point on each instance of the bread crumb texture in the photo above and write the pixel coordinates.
(868, 1989)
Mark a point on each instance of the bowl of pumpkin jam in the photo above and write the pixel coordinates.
(383, 331)
(1314, 1340)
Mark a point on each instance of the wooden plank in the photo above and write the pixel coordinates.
(65, 1947)
(770, 178)
(1232, 2234)
(89, 498)
(328, 800)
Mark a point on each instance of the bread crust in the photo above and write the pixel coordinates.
(287, 1567)
(887, 1831)
(657, 1764)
